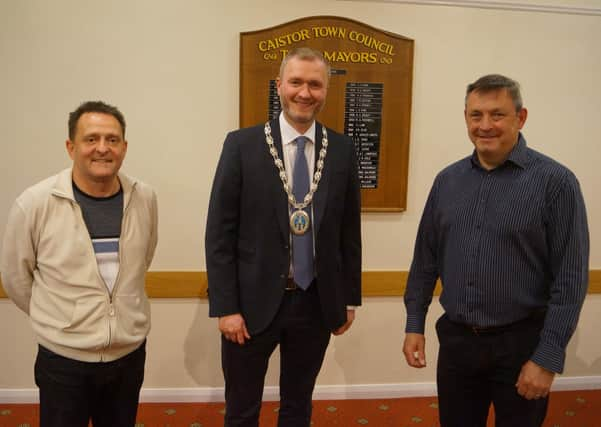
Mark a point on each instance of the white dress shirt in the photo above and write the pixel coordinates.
(289, 134)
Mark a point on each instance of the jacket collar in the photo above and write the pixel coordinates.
(63, 187)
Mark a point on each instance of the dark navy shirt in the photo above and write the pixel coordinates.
(504, 243)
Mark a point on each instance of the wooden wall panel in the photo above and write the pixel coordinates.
(193, 284)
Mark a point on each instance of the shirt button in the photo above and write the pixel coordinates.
(112, 311)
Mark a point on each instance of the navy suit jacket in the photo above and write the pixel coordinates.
(247, 237)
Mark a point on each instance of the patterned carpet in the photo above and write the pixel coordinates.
(567, 409)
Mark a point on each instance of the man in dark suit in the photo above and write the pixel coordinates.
(283, 255)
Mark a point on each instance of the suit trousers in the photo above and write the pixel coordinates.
(476, 369)
(300, 331)
(73, 392)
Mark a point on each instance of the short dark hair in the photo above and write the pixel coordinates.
(307, 54)
(493, 82)
(94, 107)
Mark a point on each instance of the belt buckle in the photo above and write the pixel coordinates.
(490, 330)
(291, 285)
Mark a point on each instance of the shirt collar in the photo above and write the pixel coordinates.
(518, 155)
(289, 134)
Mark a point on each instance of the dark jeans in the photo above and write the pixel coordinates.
(73, 392)
(475, 370)
(303, 338)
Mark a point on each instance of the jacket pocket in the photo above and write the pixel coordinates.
(86, 315)
(133, 317)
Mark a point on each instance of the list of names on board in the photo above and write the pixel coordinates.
(274, 101)
(363, 123)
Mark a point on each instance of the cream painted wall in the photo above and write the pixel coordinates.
(183, 347)
(172, 67)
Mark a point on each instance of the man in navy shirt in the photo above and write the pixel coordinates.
(505, 230)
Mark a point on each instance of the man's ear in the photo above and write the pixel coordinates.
(70, 146)
(522, 116)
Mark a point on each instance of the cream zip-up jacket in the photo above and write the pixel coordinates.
(49, 270)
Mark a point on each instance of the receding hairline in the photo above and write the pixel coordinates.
(94, 107)
(102, 113)
(305, 54)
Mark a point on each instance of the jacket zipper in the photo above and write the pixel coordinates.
(107, 342)
(111, 308)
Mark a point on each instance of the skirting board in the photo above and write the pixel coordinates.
(323, 392)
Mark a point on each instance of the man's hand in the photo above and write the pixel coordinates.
(350, 316)
(534, 381)
(233, 328)
(414, 349)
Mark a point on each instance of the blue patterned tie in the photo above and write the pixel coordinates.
(302, 245)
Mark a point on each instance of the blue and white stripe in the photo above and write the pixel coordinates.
(107, 258)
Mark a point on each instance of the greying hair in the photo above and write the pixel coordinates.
(94, 107)
(493, 82)
(307, 54)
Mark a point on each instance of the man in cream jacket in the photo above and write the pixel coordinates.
(76, 248)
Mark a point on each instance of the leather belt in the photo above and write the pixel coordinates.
(491, 330)
(536, 316)
(291, 285)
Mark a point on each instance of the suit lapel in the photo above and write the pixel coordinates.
(280, 195)
(320, 196)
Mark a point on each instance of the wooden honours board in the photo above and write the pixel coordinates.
(369, 97)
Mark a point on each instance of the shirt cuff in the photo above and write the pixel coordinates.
(415, 323)
(549, 357)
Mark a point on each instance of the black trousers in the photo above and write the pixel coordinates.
(299, 330)
(477, 369)
(73, 392)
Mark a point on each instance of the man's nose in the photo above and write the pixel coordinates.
(102, 146)
(304, 91)
(486, 123)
